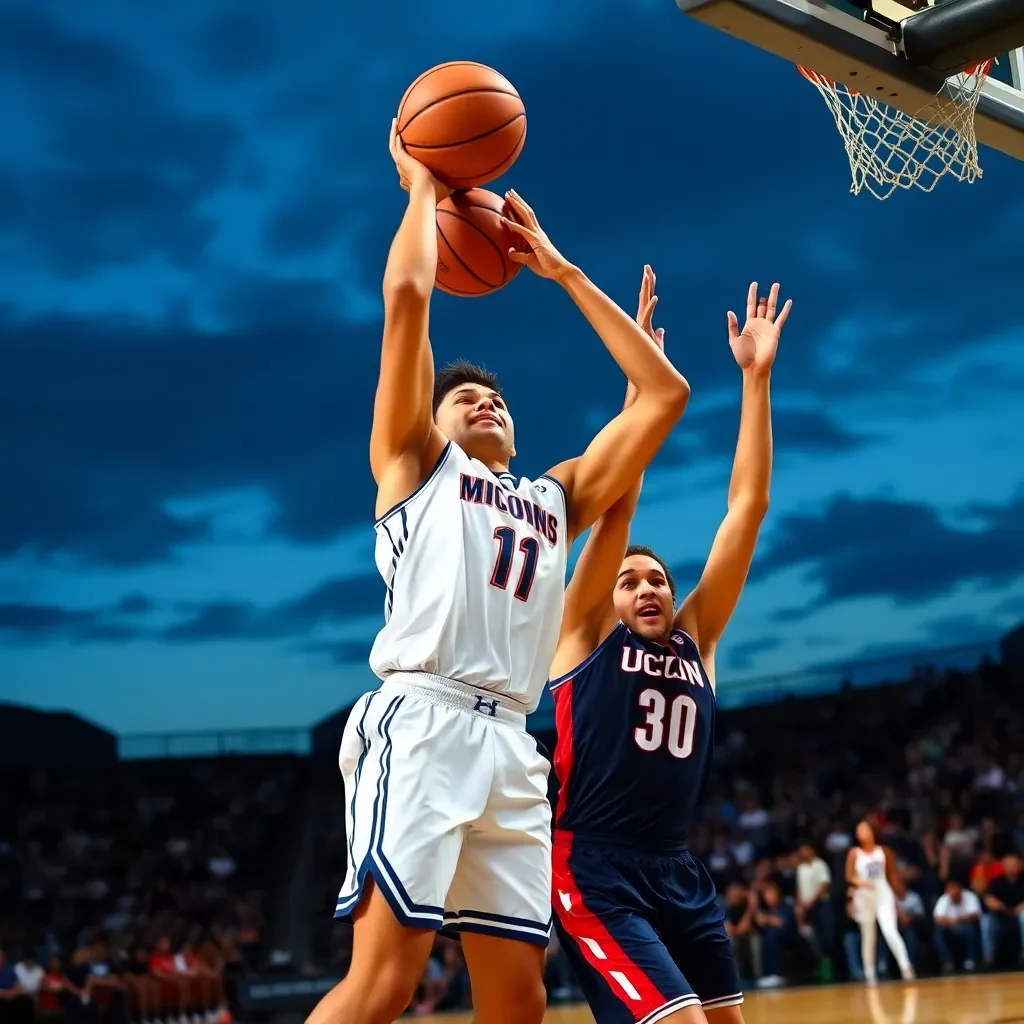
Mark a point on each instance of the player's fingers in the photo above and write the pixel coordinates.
(659, 337)
(518, 257)
(773, 298)
(734, 327)
(645, 295)
(781, 318)
(648, 314)
(523, 206)
(752, 300)
(762, 307)
(523, 230)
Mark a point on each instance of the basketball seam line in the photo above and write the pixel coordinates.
(490, 241)
(463, 142)
(490, 170)
(432, 71)
(440, 67)
(475, 91)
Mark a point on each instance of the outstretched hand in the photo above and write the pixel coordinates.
(645, 309)
(755, 346)
(410, 170)
(535, 249)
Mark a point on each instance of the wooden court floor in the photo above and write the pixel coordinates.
(987, 999)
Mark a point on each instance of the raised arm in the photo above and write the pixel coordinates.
(404, 441)
(624, 447)
(589, 615)
(706, 611)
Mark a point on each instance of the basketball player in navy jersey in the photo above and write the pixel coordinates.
(447, 817)
(633, 681)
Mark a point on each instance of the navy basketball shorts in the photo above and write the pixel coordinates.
(645, 933)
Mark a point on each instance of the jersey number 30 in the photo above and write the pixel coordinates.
(675, 734)
(530, 548)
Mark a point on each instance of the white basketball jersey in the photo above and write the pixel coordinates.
(870, 866)
(475, 567)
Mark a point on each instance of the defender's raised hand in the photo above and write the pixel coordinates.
(535, 249)
(410, 170)
(645, 309)
(755, 346)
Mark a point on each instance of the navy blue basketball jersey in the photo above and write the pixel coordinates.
(636, 727)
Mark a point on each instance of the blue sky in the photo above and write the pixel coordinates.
(195, 207)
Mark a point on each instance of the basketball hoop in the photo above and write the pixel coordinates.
(889, 149)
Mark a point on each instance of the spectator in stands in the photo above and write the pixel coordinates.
(774, 920)
(1004, 921)
(15, 1005)
(813, 899)
(910, 917)
(957, 848)
(29, 974)
(957, 917)
(740, 910)
(56, 995)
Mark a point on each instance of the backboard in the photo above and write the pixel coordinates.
(831, 37)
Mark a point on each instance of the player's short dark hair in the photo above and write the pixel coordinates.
(462, 371)
(642, 549)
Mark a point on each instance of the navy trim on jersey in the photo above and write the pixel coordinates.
(375, 863)
(553, 684)
(559, 485)
(441, 459)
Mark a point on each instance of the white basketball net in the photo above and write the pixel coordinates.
(889, 149)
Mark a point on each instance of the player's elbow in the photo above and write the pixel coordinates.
(751, 507)
(671, 396)
(406, 290)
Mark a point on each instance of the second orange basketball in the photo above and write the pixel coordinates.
(464, 121)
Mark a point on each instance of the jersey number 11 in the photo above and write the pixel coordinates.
(530, 548)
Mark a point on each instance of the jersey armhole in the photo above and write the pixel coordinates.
(554, 684)
(441, 460)
(561, 490)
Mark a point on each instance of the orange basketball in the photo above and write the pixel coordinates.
(473, 244)
(464, 121)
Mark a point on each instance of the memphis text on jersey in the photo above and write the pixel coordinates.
(478, 491)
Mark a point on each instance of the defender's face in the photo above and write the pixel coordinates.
(478, 421)
(643, 599)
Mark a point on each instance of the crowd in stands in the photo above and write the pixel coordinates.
(140, 893)
(135, 893)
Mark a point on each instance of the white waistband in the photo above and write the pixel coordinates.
(458, 695)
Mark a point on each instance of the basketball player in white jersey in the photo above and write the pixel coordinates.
(447, 819)
(871, 870)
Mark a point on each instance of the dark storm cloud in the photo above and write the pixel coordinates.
(122, 166)
(878, 547)
(113, 419)
(333, 601)
(236, 43)
(743, 655)
(713, 435)
(35, 623)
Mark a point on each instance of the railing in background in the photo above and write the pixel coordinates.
(732, 693)
(219, 743)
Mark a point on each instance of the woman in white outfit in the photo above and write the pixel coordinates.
(871, 869)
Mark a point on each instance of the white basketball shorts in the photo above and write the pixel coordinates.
(447, 810)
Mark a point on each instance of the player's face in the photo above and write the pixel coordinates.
(643, 599)
(865, 834)
(478, 421)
